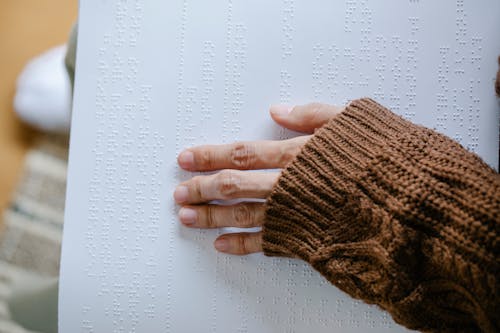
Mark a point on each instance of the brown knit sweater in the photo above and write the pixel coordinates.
(396, 215)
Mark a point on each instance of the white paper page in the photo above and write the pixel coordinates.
(155, 77)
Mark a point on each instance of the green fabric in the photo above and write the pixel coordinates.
(34, 305)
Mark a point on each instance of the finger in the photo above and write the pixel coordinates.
(304, 118)
(242, 155)
(245, 215)
(239, 243)
(225, 185)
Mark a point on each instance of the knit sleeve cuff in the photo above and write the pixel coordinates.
(315, 197)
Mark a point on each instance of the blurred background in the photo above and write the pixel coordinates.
(33, 159)
(27, 28)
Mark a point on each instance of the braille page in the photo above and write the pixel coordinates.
(156, 77)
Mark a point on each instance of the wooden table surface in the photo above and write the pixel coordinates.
(27, 28)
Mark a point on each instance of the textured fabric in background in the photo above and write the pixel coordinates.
(30, 241)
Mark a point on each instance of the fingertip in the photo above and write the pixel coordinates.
(188, 216)
(186, 160)
(221, 244)
(281, 114)
(181, 194)
(281, 110)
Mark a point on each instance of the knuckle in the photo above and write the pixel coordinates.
(289, 149)
(242, 244)
(228, 183)
(316, 112)
(196, 186)
(211, 217)
(288, 153)
(206, 158)
(243, 215)
(243, 155)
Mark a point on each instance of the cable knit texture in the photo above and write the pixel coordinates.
(396, 215)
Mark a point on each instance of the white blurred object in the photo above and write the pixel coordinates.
(43, 95)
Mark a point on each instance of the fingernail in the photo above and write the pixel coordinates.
(181, 194)
(281, 110)
(188, 216)
(186, 159)
(222, 245)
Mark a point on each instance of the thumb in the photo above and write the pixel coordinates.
(304, 118)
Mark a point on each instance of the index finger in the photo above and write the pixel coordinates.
(242, 155)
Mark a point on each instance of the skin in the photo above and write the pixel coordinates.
(232, 182)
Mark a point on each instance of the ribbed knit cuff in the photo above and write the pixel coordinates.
(307, 206)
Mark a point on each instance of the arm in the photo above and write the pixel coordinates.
(396, 215)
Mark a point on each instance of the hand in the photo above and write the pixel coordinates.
(196, 194)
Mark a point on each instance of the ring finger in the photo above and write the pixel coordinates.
(244, 215)
(239, 243)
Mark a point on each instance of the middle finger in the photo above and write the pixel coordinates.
(226, 185)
